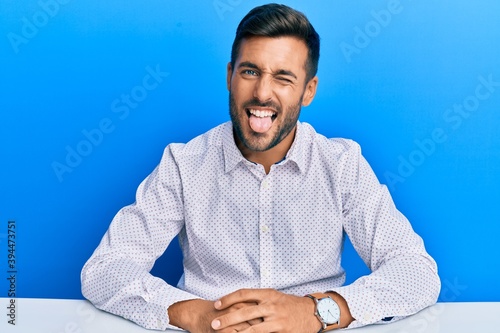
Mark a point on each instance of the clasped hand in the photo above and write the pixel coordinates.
(264, 310)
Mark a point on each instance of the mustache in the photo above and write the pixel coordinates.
(256, 102)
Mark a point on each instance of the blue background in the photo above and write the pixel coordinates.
(392, 83)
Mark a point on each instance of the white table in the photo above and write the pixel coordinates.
(78, 316)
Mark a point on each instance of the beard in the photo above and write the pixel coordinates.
(263, 141)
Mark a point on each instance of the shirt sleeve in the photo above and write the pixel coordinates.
(403, 277)
(116, 278)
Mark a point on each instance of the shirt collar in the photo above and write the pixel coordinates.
(296, 153)
(232, 155)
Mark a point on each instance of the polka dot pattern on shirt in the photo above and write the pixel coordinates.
(242, 228)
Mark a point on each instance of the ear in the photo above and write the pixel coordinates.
(229, 74)
(310, 91)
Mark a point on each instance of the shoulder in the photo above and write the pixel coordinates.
(207, 142)
(330, 146)
(202, 151)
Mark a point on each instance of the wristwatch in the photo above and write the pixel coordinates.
(327, 311)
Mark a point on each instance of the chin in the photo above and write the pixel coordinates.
(260, 142)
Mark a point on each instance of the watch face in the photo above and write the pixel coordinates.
(328, 310)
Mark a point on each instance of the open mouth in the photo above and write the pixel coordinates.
(260, 121)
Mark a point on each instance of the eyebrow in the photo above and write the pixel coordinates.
(278, 72)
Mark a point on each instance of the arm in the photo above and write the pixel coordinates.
(116, 278)
(404, 277)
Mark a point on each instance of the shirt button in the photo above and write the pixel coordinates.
(265, 184)
(265, 273)
(264, 228)
(367, 317)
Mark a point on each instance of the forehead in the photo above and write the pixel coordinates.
(273, 54)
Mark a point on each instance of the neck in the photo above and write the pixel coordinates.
(270, 156)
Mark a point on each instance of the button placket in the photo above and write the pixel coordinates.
(265, 216)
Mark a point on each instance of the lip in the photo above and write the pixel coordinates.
(261, 108)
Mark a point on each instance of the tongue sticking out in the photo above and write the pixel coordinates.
(260, 124)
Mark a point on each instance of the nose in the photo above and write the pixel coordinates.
(263, 89)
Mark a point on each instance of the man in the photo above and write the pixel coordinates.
(261, 205)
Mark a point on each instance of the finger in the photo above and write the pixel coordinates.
(240, 327)
(246, 314)
(255, 321)
(263, 327)
(235, 328)
(238, 306)
(240, 296)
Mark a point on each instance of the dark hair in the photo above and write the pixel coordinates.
(274, 20)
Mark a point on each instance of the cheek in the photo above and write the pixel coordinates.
(287, 96)
(235, 86)
(242, 91)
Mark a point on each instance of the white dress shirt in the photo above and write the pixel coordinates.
(239, 227)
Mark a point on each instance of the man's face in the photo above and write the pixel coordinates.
(267, 88)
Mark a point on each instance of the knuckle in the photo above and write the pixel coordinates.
(271, 292)
(252, 329)
(272, 308)
(236, 306)
(226, 320)
(263, 311)
(240, 292)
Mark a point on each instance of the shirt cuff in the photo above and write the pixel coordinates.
(362, 304)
